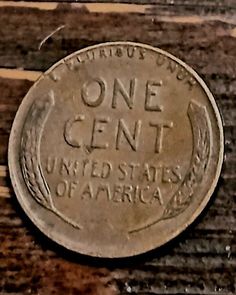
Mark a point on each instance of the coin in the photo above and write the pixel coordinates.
(116, 149)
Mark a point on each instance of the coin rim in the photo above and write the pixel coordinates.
(199, 209)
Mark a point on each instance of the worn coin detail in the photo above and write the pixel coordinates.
(116, 149)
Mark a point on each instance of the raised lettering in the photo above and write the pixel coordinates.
(102, 188)
(117, 193)
(51, 164)
(99, 95)
(68, 131)
(128, 97)
(127, 193)
(157, 196)
(133, 167)
(172, 66)
(151, 92)
(182, 74)
(62, 188)
(87, 191)
(141, 196)
(94, 172)
(72, 187)
(142, 53)
(106, 169)
(130, 51)
(98, 128)
(161, 59)
(103, 53)
(159, 134)
(121, 168)
(66, 167)
(191, 82)
(119, 52)
(132, 139)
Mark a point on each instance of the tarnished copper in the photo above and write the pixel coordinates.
(116, 149)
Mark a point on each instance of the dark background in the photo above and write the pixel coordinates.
(203, 34)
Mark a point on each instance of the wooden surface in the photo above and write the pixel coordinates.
(203, 34)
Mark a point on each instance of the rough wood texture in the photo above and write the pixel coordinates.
(200, 261)
(213, 3)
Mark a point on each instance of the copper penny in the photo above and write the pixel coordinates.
(116, 149)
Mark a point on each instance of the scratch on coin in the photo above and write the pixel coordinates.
(88, 149)
(50, 35)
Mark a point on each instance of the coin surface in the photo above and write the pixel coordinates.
(116, 149)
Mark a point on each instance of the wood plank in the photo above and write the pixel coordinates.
(168, 3)
(182, 9)
(19, 74)
(197, 43)
(203, 259)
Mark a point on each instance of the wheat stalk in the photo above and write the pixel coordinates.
(30, 155)
(29, 151)
(183, 197)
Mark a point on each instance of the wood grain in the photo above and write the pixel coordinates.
(176, 3)
(188, 41)
(203, 259)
